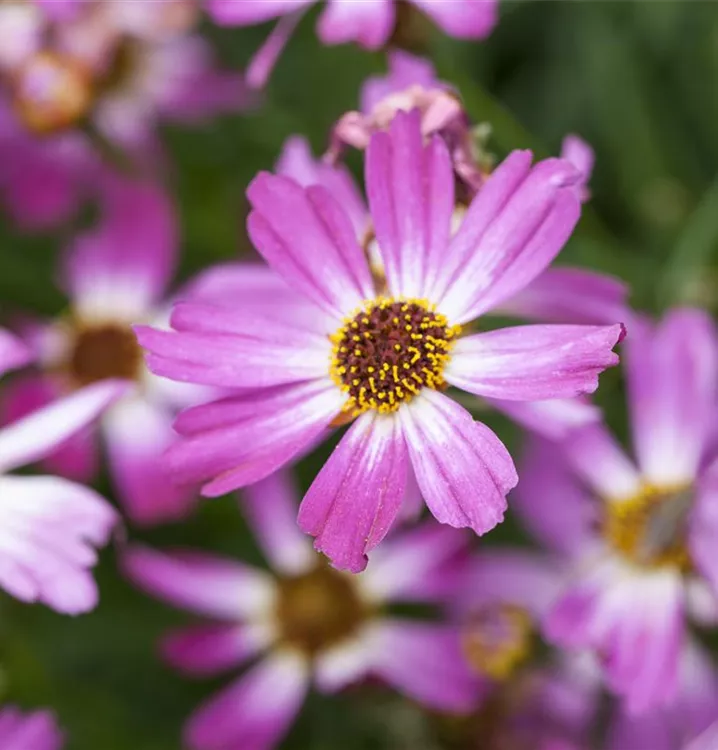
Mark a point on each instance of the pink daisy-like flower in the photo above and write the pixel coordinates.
(32, 731)
(115, 275)
(369, 23)
(49, 527)
(641, 537)
(306, 622)
(334, 349)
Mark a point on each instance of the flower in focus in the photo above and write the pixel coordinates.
(334, 349)
(557, 295)
(306, 622)
(641, 539)
(32, 731)
(49, 527)
(115, 275)
(370, 24)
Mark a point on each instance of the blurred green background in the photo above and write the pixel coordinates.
(638, 80)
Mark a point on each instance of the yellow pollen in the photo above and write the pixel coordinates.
(649, 530)
(406, 342)
(498, 640)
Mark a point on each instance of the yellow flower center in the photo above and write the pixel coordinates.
(650, 529)
(388, 351)
(52, 92)
(104, 351)
(498, 640)
(318, 609)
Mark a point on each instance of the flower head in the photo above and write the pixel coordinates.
(296, 356)
(306, 622)
(640, 535)
(115, 275)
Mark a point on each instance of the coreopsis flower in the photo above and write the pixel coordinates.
(29, 731)
(369, 24)
(558, 295)
(335, 349)
(50, 527)
(115, 275)
(305, 622)
(640, 537)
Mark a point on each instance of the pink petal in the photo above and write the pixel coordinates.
(138, 433)
(598, 458)
(200, 582)
(348, 662)
(296, 161)
(307, 237)
(38, 434)
(277, 353)
(369, 22)
(77, 457)
(411, 197)
(49, 530)
(570, 295)
(425, 662)
(271, 507)
(123, 265)
(582, 156)
(672, 380)
(256, 711)
(554, 419)
(552, 503)
(462, 468)
(463, 19)
(355, 498)
(32, 731)
(514, 228)
(207, 650)
(708, 740)
(250, 12)
(262, 64)
(530, 363)
(703, 527)
(634, 620)
(405, 566)
(13, 352)
(241, 440)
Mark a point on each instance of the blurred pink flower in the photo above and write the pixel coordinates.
(306, 622)
(336, 348)
(643, 555)
(31, 731)
(412, 84)
(49, 527)
(115, 275)
(369, 23)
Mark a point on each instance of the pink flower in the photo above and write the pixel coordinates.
(641, 537)
(49, 527)
(115, 275)
(369, 23)
(306, 622)
(412, 84)
(297, 357)
(123, 68)
(33, 731)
